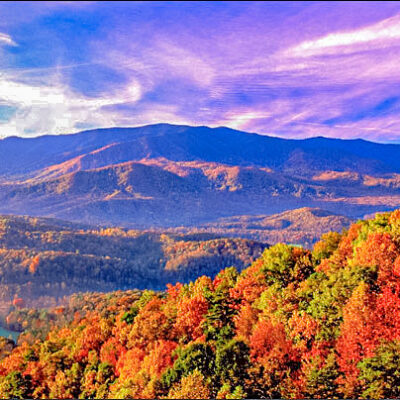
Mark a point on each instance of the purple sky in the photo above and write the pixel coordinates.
(294, 69)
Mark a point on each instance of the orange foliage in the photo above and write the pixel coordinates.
(358, 336)
(34, 264)
(345, 249)
(174, 290)
(394, 218)
(191, 312)
(269, 344)
(245, 321)
(247, 288)
(35, 369)
(303, 329)
(159, 358)
(91, 338)
(110, 351)
(18, 302)
(59, 310)
(379, 250)
(236, 335)
(150, 325)
(129, 363)
(388, 314)
(15, 361)
(190, 387)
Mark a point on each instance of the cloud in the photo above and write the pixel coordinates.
(53, 108)
(294, 71)
(6, 40)
(340, 84)
(183, 63)
(383, 33)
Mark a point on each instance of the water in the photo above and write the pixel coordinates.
(9, 334)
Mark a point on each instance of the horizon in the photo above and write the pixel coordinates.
(289, 69)
(107, 128)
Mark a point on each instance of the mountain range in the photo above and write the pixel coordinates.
(167, 176)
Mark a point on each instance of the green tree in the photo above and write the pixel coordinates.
(321, 380)
(15, 385)
(380, 375)
(284, 264)
(232, 361)
(219, 325)
(196, 356)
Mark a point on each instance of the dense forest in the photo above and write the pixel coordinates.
(42, 260)
(321, 323)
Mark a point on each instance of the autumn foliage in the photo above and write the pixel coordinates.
(295, 324)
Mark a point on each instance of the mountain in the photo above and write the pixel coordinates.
(183, 143)
(168, 176)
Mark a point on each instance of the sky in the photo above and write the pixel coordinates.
(288, 69)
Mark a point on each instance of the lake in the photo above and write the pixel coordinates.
(9, 334)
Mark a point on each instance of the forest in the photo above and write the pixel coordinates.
(297, 323)
(43, 260)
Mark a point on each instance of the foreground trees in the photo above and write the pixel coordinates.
(294, 324)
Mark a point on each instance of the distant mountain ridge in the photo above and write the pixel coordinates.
(166, 175)
(185, 143)
(303, 226)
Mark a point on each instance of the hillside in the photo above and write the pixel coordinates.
(168, 176)
(295, 324)
(302, 226)
(43, 260)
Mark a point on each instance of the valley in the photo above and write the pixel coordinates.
(43, 260)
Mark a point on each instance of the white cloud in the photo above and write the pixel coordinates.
(377, 35)
(184, 63)
(240, 119)
(6, 39)
(54, 108)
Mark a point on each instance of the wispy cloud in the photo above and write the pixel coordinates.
(6, 40)
(381, 34)
(295, 71)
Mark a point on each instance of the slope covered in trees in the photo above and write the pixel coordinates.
(42, 260)
(297, 323)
